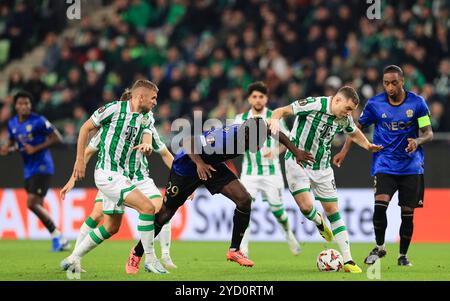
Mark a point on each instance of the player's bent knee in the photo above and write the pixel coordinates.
(157, 203)
(112, 229)
(383, 198)
(96, 216)
(147, 208)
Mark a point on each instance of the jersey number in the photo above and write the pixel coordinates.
(326, 131)
(130, 133)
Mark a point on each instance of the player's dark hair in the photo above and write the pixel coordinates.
(257, 86)
(393, 69)
(23, 94)
(349, 93)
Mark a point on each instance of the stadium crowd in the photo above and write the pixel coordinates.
(203, 54)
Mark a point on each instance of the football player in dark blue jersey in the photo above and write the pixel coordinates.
(201, 162)
(32, 135)
(402, 126)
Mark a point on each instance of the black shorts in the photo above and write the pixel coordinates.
(38, 184)
(410, 188)
(179, 188)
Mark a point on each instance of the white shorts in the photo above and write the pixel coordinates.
(113, 206)
(321, 182)
(271, 188)
(115, 187)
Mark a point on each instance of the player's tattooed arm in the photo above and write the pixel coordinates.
(426, 135)
(204, 170)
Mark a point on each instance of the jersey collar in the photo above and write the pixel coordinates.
(263, 113)
(329, 105)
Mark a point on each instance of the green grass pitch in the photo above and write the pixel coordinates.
(32, 260)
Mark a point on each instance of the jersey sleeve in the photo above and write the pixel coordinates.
(284, 127)
(423, 113)
(45, 126)
(305, 105)
(157, 144)
(350, 127)
(95, 141)
(102, 114)
(367, 117)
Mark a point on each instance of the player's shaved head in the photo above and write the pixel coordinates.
(349, 93)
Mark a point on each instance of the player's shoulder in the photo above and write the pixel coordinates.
(13, 120)
(415, 97)
(309, 104)
(109, 106)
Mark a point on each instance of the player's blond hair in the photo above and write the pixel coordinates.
(144, 83)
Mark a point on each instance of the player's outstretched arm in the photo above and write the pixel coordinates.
(359, 138)
(80, 163)
(426, 135)
(301, 156)
(167, 157)
(339, 158)
(274, 121)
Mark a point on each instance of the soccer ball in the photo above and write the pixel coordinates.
(330, 260)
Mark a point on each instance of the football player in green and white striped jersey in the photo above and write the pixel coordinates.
(261, 171)
(318, 120)
(139, 180)
(125, 130)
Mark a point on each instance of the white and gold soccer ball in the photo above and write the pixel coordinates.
(330, 260)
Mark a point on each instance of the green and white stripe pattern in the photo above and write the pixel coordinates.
(146, 229)
(315, 128)
(131, 163)
(99, 234)
(255, 163)
(340, 235)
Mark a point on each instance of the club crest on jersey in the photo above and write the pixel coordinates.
(384, 115)
(145, 121)
(302, 102)
(29, 128)
(226, 129)
(409, 113)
